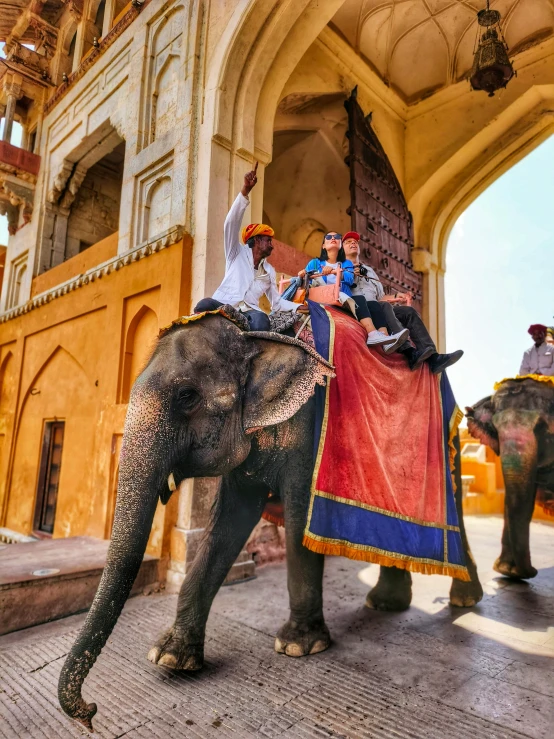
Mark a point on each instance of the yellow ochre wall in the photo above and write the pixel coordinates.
(75, 359)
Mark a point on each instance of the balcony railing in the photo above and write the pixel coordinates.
(89, 59)
(19, 161)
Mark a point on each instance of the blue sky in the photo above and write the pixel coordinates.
(499, 274)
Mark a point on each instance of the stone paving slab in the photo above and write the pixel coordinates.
(431, 671)
(246, 690)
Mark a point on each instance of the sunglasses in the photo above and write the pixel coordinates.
(337, 237)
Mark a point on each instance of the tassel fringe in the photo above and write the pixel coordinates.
(342, 550)
(272, 518)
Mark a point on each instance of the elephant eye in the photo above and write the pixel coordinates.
(188, 398)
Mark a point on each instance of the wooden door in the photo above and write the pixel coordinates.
(378, 208)
(49, 477)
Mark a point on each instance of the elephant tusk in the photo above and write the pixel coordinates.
(171, 483)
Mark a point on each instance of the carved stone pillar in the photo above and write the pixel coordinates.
(109, 15)
(195, 501)
(433, 295)
(11, 102)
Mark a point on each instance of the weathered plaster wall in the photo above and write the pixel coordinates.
(71, 363)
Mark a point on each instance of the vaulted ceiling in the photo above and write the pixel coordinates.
(420, 46)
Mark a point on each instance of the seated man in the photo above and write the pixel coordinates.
(539, 359)
(369, 285)
(248, 275)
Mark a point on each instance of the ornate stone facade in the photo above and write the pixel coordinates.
(139, 120)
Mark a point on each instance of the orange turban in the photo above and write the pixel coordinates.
(256, 229)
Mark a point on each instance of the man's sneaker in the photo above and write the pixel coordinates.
(376, 338)
(439, 362)
(416, 360)
(396, 340)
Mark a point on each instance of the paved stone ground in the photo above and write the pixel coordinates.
(432, 671)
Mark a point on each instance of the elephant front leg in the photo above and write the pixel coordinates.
(518, 452)
(393, 591)
(237, 510)
(305, 632)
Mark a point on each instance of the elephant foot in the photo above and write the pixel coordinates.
(393, 591)
(465, 594)
(175, 651)
(299, 640)
(510, 569)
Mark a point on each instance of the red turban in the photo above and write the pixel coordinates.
(351, 235)
(536, 327)
(256, 229)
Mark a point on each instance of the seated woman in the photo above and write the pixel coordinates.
(332, 253)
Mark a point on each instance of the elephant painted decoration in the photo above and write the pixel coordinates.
(216, 400)
(517, 422)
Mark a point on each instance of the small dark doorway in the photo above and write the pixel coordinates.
(49, 477)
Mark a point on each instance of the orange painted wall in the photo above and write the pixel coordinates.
(89, 258)
(70, 360)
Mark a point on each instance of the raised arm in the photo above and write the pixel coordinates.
(233, 221)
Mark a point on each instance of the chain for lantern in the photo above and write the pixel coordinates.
(492, 68)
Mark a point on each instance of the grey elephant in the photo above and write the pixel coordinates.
(217, 400)
(517, 422)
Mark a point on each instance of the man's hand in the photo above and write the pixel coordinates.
(302, 273)
(250, 180)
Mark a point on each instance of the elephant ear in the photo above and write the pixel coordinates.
(480, 425)
(283, 375)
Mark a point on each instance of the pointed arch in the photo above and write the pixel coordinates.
(60, 390)
(139, 343)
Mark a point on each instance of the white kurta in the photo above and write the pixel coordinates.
(243, 285)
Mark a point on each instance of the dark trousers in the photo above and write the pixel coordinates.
(257, 319)
(394, 319)
(407, 317)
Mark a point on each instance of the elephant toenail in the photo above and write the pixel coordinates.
(280, 645)
(294, 650)
(319, 646)
(153, 654)
(168, 660)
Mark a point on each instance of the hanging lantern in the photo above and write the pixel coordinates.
(492, 68)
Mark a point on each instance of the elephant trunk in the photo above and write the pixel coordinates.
(137, 497)
(518, 454)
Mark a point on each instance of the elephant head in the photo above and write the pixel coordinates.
(517, 422)
(479, 422)
(206, 389)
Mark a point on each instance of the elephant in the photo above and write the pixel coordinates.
(215, 400)
(517, 423)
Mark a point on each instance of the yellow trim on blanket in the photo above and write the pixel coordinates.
(392, 514)
(539, 378)
(338, 548)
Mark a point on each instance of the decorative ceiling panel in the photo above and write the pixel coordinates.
(419, 46)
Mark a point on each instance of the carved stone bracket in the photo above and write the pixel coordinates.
(15, 193)
(73, 185)
(12, 213)
(59, 182)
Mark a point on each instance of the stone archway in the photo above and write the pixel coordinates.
(255, 57)
(440, 201)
